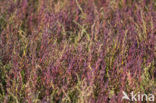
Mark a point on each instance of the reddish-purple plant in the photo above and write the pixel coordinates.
(76, 51)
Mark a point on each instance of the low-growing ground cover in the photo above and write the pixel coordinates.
(76, 51)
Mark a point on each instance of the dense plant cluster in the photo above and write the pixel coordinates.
(76, 51)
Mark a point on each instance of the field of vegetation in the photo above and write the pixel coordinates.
(76, 51)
